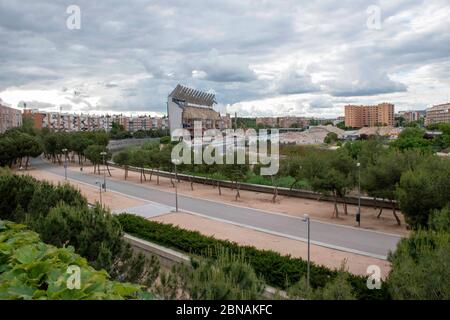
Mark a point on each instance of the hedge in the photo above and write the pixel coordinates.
(31, 269)
(277, 270)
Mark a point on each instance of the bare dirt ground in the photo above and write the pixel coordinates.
(112, 199)
(318, 210)
(356, 264)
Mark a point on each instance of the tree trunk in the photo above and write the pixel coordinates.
(141, 176)
(336, 210)
(218, 186)
(126, 172)
(157, 177)
(395, 214)
(192, 183)
(238, 194)
(275, 194)
(107, 167)
(379, 213)
(26, 162)
(345, 207)
(151, 174)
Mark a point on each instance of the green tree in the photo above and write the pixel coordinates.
(421, 267)
(424, 189)
(227, 277)
(331, 137)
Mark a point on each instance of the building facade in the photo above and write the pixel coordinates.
(369, 116)
(283, 122)
(411, 116)
(9, 118)
(186, 106)
(438, 114)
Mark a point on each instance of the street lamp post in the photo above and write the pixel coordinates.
(358, 214)
(103, 154)
(65, 163)
(100, 189)
(175, 162)
(306, 219)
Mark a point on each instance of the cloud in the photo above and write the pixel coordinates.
(295, 81)
(302, 56)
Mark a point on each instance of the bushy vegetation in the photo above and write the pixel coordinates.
(61, 216)
(31, 269)
(277, 270)
(421, 263)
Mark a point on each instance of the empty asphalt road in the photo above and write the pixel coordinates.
(366, 242)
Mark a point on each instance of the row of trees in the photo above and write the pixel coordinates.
(399, 175)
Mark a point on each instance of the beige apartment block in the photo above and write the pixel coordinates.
(369, 116)
(9, 118)
(438, 114)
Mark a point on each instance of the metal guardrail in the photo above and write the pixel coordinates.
(298, 193)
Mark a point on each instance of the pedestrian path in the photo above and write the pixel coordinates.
(148, 210)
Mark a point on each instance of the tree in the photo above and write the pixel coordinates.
(330, 172)
(226, 277)
(331, 137)
(140, 158)
(421, 267)
(93, 153)
(411, 138)
(380, 178)
(235, 173)
(8, 151)
(424, 189)
(123, 159)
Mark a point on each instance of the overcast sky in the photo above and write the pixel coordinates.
(305, 58)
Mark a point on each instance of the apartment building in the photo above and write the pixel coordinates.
(9, 118)
(438, 114)
(283, 122)
(67, 122)
(411, 116)
(267, 121)
(83, 122)
(369, 116)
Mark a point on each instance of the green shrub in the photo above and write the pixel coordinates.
(421, 267)
(31, 269)
(227, 277)
(277, 270)
(61, 216)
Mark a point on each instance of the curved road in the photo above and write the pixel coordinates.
(361, 241)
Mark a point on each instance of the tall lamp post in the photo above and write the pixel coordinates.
(65, 163)
(100, 189)
(175, 162)
(358, 214)
(306, 219)
(103, 154)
